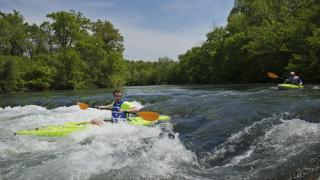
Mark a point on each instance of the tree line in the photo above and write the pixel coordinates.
(69, 51)
(260, 36)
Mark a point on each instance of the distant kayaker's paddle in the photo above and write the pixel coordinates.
(148, 116)
(272, 75)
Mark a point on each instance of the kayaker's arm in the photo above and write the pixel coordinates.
(287, 81)
(107, 107)
(300, 82)
(130, 110)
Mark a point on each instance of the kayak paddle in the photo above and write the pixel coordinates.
(272, 75)
(83, 106)
(148, 116)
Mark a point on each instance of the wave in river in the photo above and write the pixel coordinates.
(274, 147)
(112, 151)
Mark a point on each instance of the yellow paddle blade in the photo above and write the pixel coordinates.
(83, 106)
(149, 116)
(272, 75)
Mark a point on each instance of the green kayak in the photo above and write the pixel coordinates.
(71, 127)
(138, 121)
(289, 86)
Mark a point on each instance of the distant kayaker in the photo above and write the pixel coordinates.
(119, 109)
(293, 79)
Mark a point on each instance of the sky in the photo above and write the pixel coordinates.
(151, 28)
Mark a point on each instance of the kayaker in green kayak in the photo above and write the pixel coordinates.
(120, 109)
(293, 79)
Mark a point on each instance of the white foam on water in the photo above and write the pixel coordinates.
(231, 144)
(111, 151)
(26, 117)
(236, 160)
(282, 144)
(283, 139)
(137, 104)
(292, 136)
(26, 145)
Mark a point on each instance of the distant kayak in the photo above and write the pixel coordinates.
(71, 127)
(289, 86)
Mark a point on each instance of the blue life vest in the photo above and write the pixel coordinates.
(294, 80)
(116, 115)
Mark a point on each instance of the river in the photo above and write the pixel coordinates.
(221, 132)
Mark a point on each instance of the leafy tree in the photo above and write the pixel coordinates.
(111, 38)
(12, 34)
(10, 78)
(72, 74)
(261, 36)
(39, 78)
(71, 52)
(68, 28)
(151, 73)
(37, 43)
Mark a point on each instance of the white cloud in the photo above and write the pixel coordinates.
(147, 44)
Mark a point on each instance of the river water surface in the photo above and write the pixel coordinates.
(221, 132)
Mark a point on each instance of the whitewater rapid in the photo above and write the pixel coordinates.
(111, 151)
(221, 132)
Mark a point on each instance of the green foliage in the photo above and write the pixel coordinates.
(39, 77)
(111, 38)
(141, 73)
(37, 41)
(112, 70)
(165, 68)
(66, 52)
(261, 36)
(12, 34)
(71, 52)
(71, 74)
(10, 77)
(68, 28)
(152, 73)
